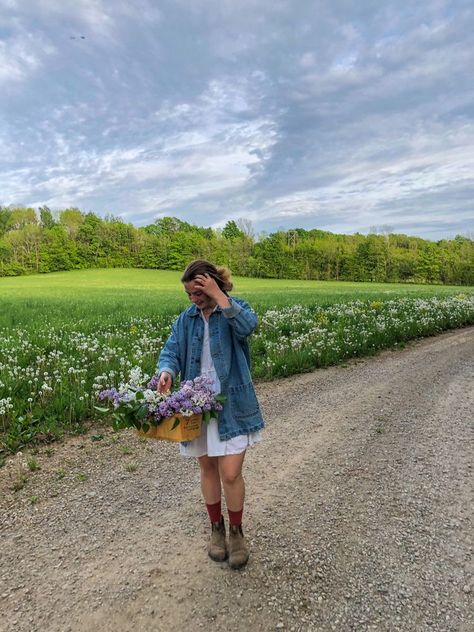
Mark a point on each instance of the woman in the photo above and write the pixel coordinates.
(210, 338)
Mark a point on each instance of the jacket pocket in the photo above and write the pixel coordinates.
(243, 402)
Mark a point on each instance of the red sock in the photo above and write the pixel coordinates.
(235, 517)
(214, 511)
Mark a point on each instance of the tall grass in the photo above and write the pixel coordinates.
(97, 297)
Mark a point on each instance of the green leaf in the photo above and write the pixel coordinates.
(101, 409)
(142, 412)
(145, 427)
(176, 423)
(139, 395)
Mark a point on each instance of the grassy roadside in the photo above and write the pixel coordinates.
(75, 334)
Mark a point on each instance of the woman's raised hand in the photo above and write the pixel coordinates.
(208, 285)
(165, 382)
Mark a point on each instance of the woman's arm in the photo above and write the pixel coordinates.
(240, 317)
(239, 314)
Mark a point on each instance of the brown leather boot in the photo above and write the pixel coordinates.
(217, 549)
(238, 548)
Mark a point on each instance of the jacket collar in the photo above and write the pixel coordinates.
(195, 311)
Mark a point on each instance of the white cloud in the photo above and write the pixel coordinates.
(211, 154)
(371, 196)
(21, 56)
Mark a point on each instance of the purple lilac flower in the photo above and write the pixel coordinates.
(153, 383)
(196, 396)
(163, 409)
(109, 394)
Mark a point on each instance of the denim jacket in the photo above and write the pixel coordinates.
(228, 331)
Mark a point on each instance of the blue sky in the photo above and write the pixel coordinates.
(335, 114)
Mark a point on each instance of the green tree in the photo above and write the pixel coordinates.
(89, 246)
(72, 219)
(86, 240)
(58, 251)
(269, 255)
(428, 265)
(5, 214)
(46, 217)
(372, 257)
(24, 244)
(231, 231)
(5, 258)
(20, 217)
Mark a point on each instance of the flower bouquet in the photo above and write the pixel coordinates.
(171, 416)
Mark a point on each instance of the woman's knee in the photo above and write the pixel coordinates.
(230, 468)
(208, 464)
(230, 472)
(230, 477)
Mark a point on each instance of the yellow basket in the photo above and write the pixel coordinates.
(188, 429)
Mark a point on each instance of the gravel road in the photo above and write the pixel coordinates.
(359, 513)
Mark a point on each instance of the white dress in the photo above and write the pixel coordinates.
(208, 441)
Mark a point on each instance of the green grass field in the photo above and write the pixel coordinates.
(64, 337)
(102, 296)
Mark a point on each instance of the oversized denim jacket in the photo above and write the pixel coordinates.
(228, 331)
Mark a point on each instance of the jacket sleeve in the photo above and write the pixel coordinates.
(170, 357)
(240, 317)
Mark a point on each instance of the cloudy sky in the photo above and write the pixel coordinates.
(330, 114)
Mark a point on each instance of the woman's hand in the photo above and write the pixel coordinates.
(165, 382)
(208, 285)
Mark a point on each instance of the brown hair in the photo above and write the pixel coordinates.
(201, 266)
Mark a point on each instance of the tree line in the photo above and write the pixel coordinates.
(41, 241)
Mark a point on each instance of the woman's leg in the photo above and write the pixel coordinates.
(211, 490)
(230, 469)
(210, 480)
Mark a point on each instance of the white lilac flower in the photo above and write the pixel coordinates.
(136, 376)
(5, 405)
